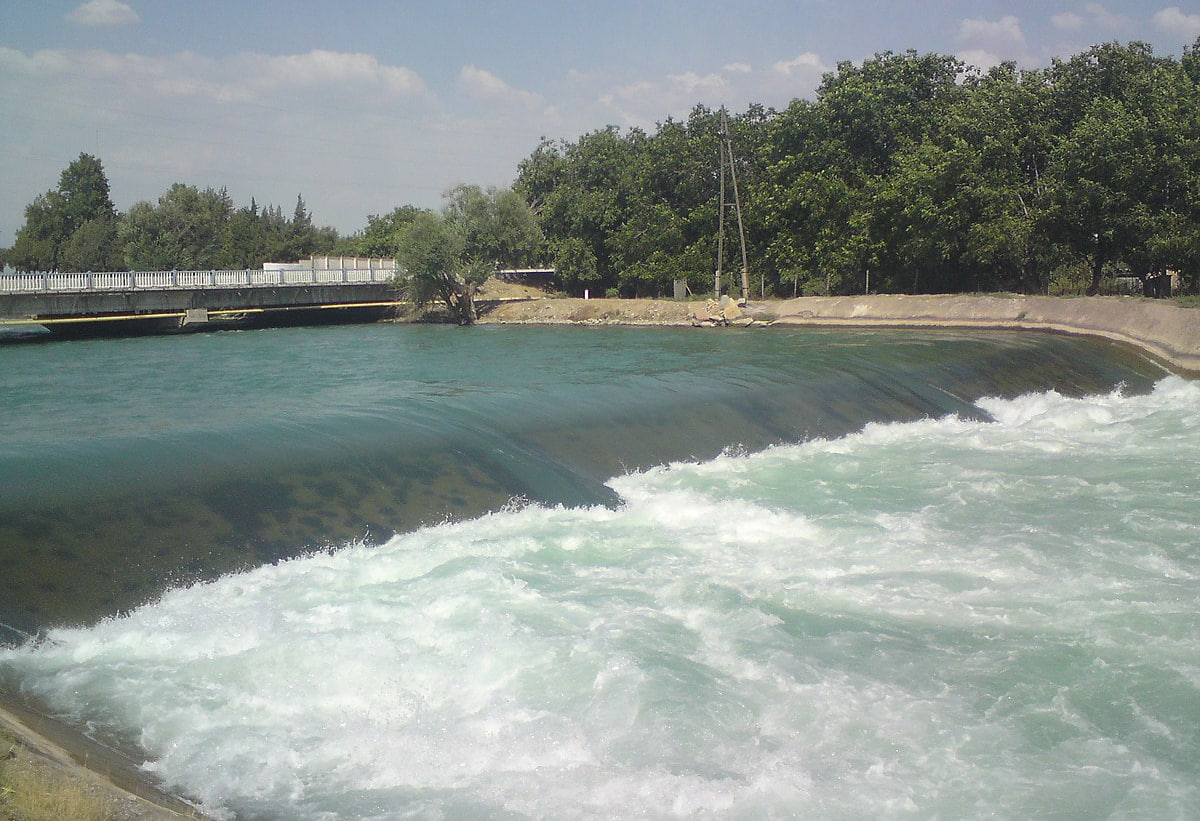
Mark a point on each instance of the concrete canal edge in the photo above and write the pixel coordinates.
(1163, 329)
(1166, 331)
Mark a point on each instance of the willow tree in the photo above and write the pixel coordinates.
(446, 256)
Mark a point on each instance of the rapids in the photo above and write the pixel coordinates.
(814, 574)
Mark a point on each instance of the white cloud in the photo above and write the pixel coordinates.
(1067, 21)
(47, 61)
(980, 58)
(241, 77)
(103, 13)
(486, 85)
(992, 33)
(1104, 18)
(803, 64)
(1097, 16)
(1172, 20)
(1095, 20)
(634, 102)
(322, 67)
(644, 102)
(695, 84)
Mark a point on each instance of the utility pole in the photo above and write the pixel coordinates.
(721, 220)
(727, 154)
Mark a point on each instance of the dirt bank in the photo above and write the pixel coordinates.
(1166, 331)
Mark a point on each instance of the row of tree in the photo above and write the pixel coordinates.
(75, 227)
(909, 172)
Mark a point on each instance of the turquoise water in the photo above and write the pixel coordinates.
(637, 573)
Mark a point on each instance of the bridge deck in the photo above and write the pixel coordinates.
(170, 280)
(168, 300)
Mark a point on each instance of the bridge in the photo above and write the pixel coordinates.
(319, 291)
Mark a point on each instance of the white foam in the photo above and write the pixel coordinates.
(934, 618)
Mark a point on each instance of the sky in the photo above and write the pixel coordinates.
(361, 107)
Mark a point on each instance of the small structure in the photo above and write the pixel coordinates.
(1165, 284)
(1159, 286)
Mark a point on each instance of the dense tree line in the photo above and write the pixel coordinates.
(907, 173)
(76, 228)
(910, 172)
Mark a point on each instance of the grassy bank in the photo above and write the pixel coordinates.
(35, 791)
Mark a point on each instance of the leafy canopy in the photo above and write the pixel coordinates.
(446, 256)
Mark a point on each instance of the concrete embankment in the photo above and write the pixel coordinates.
(1163, 329)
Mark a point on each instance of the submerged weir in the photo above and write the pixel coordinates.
(379, 572)
(137, 464)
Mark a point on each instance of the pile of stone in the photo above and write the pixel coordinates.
(725, 311)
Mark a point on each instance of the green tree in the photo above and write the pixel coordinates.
(889, 102)
(1004, 126)
(84, 190)
(183, 231)
(244, 241)
(301, 240)
(668, 230)
(380, 237)
(1123, 174)
(907, 172)
(432, 254)
(814, 205)
(447, 256)
(498, 227)
(81, 204)
(93, 246)
(37, 243)
(574, 263)
(582, 190)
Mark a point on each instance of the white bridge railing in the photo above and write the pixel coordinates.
(171, 280)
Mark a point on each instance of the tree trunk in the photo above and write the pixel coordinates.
(466, 306)
(1097, 274)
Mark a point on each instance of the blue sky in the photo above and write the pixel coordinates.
(364, 106)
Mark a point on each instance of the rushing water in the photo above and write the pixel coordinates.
(860, 587)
